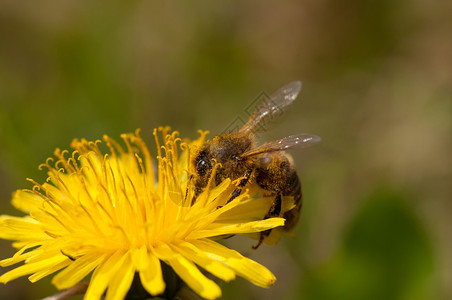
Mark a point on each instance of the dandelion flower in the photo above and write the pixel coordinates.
(113, 216)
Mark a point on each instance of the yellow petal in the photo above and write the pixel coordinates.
(272, 239)
(120, 282)
(26, 201)
(103, 274)
(245, 267)
(249, 208)
(197, 256)
(216, 192)
(46, 252)
(20, 255)
(30, 268)
(151, 273)
(205, 210)
(39, 275)
(189, 273)
(77, 270)
(14, 228)
(254, 207)
(217, 229)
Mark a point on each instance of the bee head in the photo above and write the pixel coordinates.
(203, 163)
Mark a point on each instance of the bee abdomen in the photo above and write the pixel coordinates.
(293, 215)
(277, 175)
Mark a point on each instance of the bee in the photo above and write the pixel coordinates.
(266, 165)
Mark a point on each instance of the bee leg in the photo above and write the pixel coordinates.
(188, 186)
(242, 183)
(275, 211)
(197, 190)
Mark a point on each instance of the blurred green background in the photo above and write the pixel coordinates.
(377, 88)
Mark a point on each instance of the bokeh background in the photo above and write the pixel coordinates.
(377, 88)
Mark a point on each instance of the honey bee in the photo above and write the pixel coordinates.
(266, 165)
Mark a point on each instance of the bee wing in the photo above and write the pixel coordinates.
(272, 107)
(294, 141)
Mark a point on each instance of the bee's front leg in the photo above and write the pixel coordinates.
(275, 211)
(241, 185)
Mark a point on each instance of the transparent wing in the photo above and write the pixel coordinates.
(294, 141)
(273, 107)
